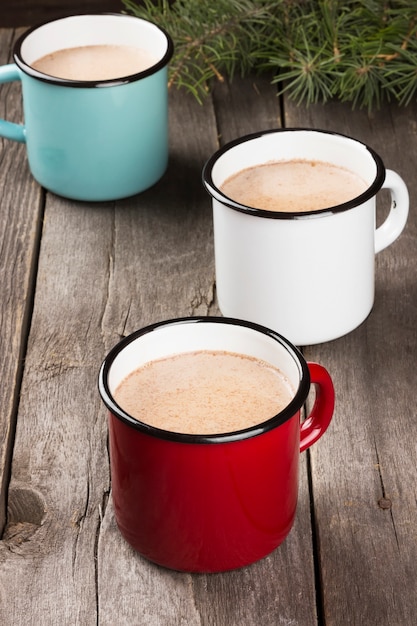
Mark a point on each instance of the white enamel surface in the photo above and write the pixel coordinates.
(185, 337)
(310, 279)
(88, 30)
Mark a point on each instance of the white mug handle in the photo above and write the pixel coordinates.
(396, 220)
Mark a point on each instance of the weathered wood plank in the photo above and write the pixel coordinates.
(163, 267)
(20, 214)
(132, 263)
(180, 218)
(103, 271)
(60, 477)
(107, 269)
(28, 12)
(280, 588)
(364, 471)
(245, 106)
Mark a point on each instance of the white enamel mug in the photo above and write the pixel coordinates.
(309, 275)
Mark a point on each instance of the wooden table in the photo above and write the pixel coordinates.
(27, 12)
(76, 277)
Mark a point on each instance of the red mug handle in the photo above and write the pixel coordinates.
(321, 414)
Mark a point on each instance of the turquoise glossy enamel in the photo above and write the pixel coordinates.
(97, 143)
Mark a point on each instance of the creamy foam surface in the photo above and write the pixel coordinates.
(101, 62)
(294, 186)
(204, 392)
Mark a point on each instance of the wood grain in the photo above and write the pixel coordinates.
(96, 272)
(171, 271)
(364, 470)
(28, 12)
(20, 215)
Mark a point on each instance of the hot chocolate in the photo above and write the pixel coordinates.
(293, 186)
(102, 62)
(204, 392)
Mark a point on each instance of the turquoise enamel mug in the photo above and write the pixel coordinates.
(93, 139)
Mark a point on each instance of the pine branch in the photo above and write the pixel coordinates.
(358, 51)
(211, 39)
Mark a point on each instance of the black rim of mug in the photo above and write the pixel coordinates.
(21, 63)
(289, 411)
(217, 194)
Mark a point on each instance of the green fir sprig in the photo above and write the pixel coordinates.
(358, 51)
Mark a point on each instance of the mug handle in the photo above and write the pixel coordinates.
(315, 425)
(10, 130)
(394, 224)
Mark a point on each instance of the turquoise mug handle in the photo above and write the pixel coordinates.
(10, 130)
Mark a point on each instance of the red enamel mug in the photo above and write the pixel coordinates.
(210, 503)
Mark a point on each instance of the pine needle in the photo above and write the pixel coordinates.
(358, 51)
